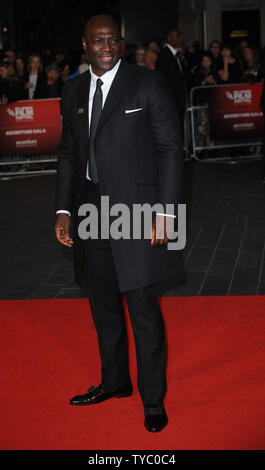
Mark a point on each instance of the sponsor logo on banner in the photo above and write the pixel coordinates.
(30, 127)
(234, 112)
(22, 113)
(240, 96)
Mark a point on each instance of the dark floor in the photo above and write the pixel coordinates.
(225, 248)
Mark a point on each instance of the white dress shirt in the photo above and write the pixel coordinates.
(33, 81)
(107, 79)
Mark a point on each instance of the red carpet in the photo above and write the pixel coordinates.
(215, 375)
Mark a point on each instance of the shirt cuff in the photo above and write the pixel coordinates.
(166, 215)
(63, 212)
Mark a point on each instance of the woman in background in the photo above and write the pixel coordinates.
(139, 56)
(252, 70)
(150, 58)
(35, 74)
(204, 73)
(230, 70)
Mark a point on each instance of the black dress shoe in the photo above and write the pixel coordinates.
(156, 422)
(96, 395)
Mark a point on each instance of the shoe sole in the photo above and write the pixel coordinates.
(156, 430)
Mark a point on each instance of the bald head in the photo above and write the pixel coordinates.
(99, 20)
(101, 42)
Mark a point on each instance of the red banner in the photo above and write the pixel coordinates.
(30, 127)
(234, 111)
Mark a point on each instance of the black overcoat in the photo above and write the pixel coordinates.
(177, 81)
(139, 158)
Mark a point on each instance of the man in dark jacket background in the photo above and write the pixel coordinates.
(51, 84)
(173, 64)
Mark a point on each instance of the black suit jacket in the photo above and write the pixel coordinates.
(177, 81)
(40, 78)
(139, 159)
(42, 89)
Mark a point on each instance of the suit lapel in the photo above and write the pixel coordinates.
(118, 87)
(173, 59)
(82, 103)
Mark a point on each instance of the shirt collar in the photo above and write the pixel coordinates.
(172, 49)
(108, 76)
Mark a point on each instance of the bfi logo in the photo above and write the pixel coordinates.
(22, 113)
(240, 96)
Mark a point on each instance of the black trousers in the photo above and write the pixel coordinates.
(107, 311)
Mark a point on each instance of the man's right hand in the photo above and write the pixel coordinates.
(62, 228)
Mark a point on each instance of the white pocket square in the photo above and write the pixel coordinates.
(80, 110)
(127, 111)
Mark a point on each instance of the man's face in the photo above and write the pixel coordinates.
(102, 43)
(53, 75)
(175, 38)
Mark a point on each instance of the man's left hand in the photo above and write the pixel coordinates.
(162, 227)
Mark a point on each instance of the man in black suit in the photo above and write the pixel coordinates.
(173, 64)
(133, 155)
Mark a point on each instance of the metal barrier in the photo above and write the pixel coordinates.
(200, 142)
(202, 145)
(30, 133)
(27, 165)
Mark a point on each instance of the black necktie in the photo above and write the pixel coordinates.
(95, 115)
(177, 55)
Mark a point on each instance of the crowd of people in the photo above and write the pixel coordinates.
(36, 76)
(22, 78)
(219, 64)
(186, 68)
